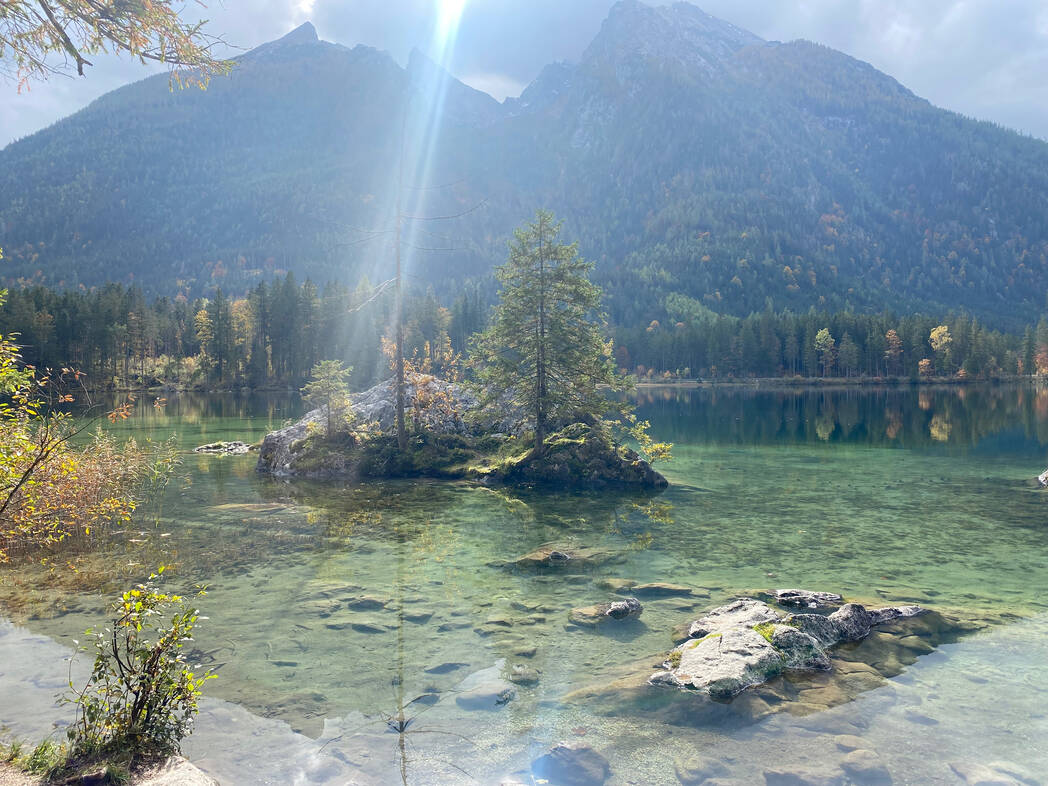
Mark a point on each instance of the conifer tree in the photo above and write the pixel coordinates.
(545, 345)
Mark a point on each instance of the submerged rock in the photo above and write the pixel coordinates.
(656, 590)
(693, 769)
(487, 696)
(591, 616)
(865, 766)
(572, 765)
(780, 776)
(559, 555)
(524, 675)
(224, 448)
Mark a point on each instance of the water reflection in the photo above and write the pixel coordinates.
(958, 417)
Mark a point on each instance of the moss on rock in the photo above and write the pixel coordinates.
(578, 455)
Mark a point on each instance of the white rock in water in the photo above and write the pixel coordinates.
(723, 664)
(745, 611)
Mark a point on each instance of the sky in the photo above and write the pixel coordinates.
(983, 58)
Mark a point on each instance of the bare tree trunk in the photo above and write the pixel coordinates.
(540, 353)
(402, 434)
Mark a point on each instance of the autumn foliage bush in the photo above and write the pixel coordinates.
(55, 481)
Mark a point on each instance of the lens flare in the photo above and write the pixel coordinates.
(449, 13)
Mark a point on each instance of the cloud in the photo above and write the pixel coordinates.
(498, 85)
(983, 58)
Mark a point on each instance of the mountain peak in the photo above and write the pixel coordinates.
(305, 33)
(680, 32)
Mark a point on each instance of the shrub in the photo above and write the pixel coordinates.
(141, 698)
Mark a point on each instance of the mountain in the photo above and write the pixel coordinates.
(700, 166)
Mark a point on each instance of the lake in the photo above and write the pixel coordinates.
(331, 610)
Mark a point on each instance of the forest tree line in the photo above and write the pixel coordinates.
(276, 333)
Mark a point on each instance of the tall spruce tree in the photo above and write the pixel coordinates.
(546, 344)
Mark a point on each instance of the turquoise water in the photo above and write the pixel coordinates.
(331, 607)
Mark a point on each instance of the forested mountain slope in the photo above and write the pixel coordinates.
(689, 157)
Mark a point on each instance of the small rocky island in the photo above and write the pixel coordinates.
(747, 642)
(457, 439)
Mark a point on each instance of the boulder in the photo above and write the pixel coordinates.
(746, 643)
(592, 616)
(806, 599)
(798, 649)
(745, 611)
(815, 625)
(725, 663)
(572, 765)
(852, 622)
(378, 405)
(275, 456)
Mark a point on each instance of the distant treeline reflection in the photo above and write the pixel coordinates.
(959, 416)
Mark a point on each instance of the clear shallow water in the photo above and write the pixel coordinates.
(329, 606)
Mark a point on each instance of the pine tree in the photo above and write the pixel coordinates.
(328, 390)
(545, 344)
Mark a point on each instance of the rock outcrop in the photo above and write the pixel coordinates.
(747, 642)
(579, 455)
(458, 439)
(275, 456)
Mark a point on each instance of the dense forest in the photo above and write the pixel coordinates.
(688, 157)
(274, 336)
